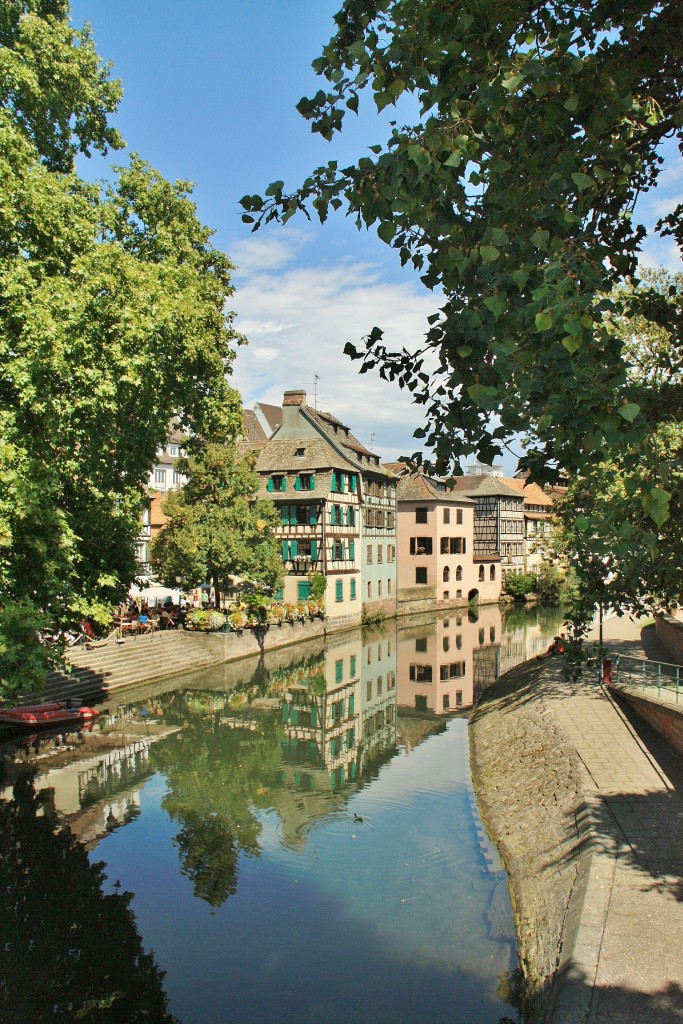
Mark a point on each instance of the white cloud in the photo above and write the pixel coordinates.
(303, 316)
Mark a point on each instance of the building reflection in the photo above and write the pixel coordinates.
(445, 662)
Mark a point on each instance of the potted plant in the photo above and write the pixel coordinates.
(237, 620)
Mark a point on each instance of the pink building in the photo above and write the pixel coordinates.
(435, 546)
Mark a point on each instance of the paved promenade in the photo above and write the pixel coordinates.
(627, 961)
(585, 803)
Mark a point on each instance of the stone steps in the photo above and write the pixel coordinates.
(98, 672)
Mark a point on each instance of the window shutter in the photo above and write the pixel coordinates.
(297, 484)
(293, 548)
(270, 486)
(352, 483)
(352, 551)
(284, 483)
(314, 550)
(312, 515)
(335, 486)
(285, 550)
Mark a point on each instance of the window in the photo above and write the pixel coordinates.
(352, 667)
(458, 595)
(446, 574)
(303, 590)
(279, 484)
(492, 634)
(482, 574)
(446, 515)
(338, 550)
(446, 595)
(446, 702)
(379, 554)
(446, 643)
(368, 690)
(369, 590)
(159, 476)
(458, 698)
(458, 516)
(177, 478)
(420, 673)
(379, 686)
(453, 545)
(305, 482)
(421, 643)
(353, 590)
(391, 553)
(379, 588)
(369, 554)
(482, 636)
(420, 702)
(421, 574)
(458, 572)
(492, 573)
(173, 450)
(339, 590)
(420, 515)
(389, 587)
(420, 545)
(338, 672)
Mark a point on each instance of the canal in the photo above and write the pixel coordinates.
(293, 839)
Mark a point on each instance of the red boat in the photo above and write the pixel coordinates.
(57, 713)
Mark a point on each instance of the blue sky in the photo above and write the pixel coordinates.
(210, 90)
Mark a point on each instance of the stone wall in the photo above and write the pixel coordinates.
(670, 633)
(527, 778)
(666, 718)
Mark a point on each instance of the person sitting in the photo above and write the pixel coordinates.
(558, 645)
(164, 618)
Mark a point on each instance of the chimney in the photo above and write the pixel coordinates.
(291, 425)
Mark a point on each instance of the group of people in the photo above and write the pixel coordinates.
(167, 616)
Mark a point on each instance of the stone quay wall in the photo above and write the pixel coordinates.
(670, 633)
(663, 716)
(528, 784)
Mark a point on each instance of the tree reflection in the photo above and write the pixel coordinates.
(70, 953)
(218, 773)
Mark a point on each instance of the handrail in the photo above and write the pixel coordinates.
(648, 674)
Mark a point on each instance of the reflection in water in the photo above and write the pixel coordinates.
(295, 797)
(69, 951)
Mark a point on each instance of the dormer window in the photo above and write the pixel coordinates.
(300, 452)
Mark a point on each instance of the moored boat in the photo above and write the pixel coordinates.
(56, 713)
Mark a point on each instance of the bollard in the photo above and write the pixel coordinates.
(606, 671)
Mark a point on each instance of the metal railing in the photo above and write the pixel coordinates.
(647, 675)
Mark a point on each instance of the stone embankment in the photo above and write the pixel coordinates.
(98, 672)
(528, 783)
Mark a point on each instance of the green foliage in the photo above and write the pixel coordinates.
(518, 585)
(24, 663)
(549, 584)
(111, 322)
(372, 618)
(216, 526)
(318, 585)
(540, 124)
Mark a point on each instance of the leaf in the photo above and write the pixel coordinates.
(572, 103)
(520, 277)
(540, 238)
(629, 411)
(512, 82)
(484, 397)
(582, 181)
(572, 344)
(496, 303)
(656, 504)
(454, 160)
(275, 188)
(386, 231)
(488, 253)
(543, 321)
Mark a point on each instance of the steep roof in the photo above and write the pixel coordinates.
(253, 431)
(485, 486)
(418, 487)
(280, 456)
(532, 493)
(357, 453)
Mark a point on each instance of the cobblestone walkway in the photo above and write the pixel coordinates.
(586, 805)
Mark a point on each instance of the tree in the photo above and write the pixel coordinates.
(112, 321)
(619, 525)
(540, 124)
(217, 527)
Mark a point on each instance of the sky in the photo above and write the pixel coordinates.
(210, 90)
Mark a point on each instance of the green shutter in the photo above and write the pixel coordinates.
(314, 716)
(339, 590)
(314, 549)
(353, 483)
(352, 551)
(335, 485)
(293, 548)
(284, 483)
(353, 590)
(285, 550)
(297, 484)
(270, 485)
(352, 700)
(339, 671)
(342, 482)
(342, 552)
(312, 515)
